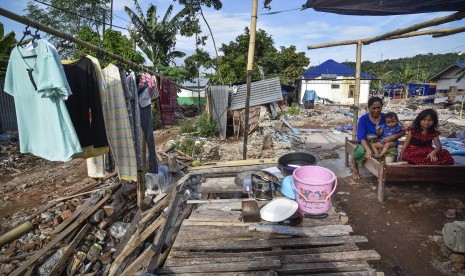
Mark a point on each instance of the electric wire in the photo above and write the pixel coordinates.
(78, 15)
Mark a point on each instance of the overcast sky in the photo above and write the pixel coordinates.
(291, 26)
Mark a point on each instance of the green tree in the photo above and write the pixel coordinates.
(69, 16)
(157, 38)
(7, 43)
(193, 62)
(113, 42)
(285, 63)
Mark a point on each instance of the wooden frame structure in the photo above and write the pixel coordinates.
(393, 172)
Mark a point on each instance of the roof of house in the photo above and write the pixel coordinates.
(459, 64)
(194, 83)
(332, 67)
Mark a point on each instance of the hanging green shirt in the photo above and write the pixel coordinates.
(36, 80)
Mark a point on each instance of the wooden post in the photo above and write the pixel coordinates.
(452, 94)
(358, 66)
(253, 26)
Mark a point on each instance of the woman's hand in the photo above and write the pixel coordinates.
(432, 156)
(386, 140)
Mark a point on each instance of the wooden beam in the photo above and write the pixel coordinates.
(129, 248)
(234, 163)
(433, 22)
(316, 231)
(69, 250)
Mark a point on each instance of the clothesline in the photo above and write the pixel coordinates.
(44, 28)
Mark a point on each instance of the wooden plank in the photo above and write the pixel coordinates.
(206, 245)
(327, 267)
(353, 273)
(129, 248)
(189, 222)
(216, 215)
(79, 210)
(69, 250)
(359, 255)
(220, 233)
(235, 163)
(226, 200)
(424, 173)
(220, 185)
(172, 262)
(207, 172)
(250, 212)
(59, 237)
(314, 250)
(317, 231)
(220, 267)
(248, 273)
(138, 263)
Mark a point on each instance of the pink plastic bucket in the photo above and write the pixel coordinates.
(314, 186)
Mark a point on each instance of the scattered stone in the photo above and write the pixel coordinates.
(454, 236)
(94, 253)
(109, 210)
(101, 235)
(97, 216)
(66, 214)
(28, 247)
(106, 257)
(457, 258)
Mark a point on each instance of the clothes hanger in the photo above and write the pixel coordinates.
(26, 32)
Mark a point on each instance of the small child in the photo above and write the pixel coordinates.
(418, 147)
(391, 127)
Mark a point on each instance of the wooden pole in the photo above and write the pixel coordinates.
(433, 22)
(358, 66)
(251, 53)
(450, 32)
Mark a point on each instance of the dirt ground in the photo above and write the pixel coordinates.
(403, 230)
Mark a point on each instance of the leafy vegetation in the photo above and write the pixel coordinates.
(113, 41)
(83, 13)
(293, 110)
(419, 68)
(189, 146)
(285, 63)
(206, 125)
(188, 126)
(7, 43)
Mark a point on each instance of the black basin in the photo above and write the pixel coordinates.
(297, 159)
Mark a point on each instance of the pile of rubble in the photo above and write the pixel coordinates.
(102, 231)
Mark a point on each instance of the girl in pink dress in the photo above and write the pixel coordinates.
(418, 147)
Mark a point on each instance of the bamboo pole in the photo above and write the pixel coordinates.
(433, 22)
(250, 56)
(358, 66)
(450, 32)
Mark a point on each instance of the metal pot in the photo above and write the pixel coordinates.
(263, 185)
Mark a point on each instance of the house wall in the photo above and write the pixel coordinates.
(340, 95)
(447, 80)
(190, 97)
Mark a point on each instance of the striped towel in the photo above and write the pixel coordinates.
(118, 127)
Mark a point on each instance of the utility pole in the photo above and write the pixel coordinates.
(253, 26)
(198, 73)
(111, 14)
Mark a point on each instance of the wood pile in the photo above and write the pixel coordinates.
(98, 232)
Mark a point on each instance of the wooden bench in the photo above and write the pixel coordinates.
(392, 172)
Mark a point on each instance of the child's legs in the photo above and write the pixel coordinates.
(386, 146)
(375, 147)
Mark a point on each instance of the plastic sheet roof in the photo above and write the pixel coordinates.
(384, 7)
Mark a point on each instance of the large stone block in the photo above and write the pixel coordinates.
(454, 236)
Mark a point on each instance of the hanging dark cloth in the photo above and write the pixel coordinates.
(84, 105)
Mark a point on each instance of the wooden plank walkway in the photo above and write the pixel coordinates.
(215, 241)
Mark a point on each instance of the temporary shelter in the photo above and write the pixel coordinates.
(336, 82)
(190, 90)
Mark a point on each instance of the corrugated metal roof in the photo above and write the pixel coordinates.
(202, 83)
(7, 110)
(261, 92)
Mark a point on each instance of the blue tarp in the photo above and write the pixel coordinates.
(332, 67)
(310, 95)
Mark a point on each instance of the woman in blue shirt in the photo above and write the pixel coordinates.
(366, 135)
